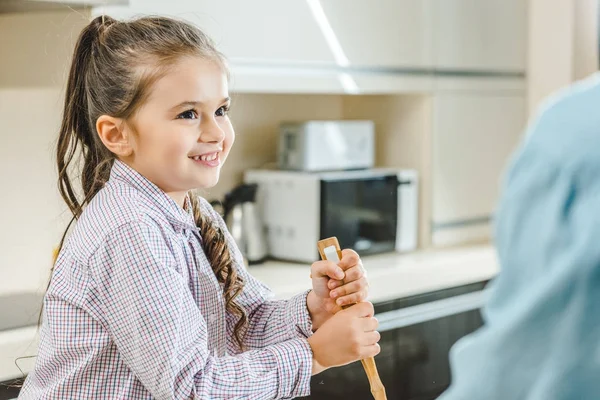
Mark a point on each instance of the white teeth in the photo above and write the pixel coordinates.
(210, 157)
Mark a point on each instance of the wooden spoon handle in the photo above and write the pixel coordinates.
(377, 388)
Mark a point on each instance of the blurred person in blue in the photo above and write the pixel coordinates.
(541, 337)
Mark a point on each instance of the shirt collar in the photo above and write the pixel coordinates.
(177, 216)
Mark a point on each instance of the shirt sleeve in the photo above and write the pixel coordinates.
(541, 320)
(270, 321)
(161, 334)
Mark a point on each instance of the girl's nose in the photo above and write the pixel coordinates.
(211, 132)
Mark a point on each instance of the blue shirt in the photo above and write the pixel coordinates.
(541, 337)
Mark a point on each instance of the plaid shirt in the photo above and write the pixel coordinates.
(134, 311)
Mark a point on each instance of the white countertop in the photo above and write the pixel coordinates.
(394, 275)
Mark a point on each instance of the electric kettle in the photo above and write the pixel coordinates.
(244, 224)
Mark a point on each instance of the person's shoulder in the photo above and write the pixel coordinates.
(570, 111)
(112, 209)
(566, 126)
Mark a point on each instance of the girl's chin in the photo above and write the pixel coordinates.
(207, 181)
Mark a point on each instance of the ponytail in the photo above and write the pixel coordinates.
(77, 128)
(219, 256)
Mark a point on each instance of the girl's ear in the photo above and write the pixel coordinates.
(114, 135)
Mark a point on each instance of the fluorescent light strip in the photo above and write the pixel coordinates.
(330, 37)
(347, 82)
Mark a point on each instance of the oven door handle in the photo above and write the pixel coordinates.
(430, 311)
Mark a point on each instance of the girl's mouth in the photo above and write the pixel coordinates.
(209, 159)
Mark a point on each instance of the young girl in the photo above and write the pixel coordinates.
(149, 297)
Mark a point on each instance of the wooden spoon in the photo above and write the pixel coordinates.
(327, 253)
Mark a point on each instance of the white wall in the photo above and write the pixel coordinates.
(34, 51)
(563, 45)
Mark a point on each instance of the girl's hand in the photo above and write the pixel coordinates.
(348, 336)
(337, 285)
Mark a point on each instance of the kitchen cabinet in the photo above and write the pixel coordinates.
(337, 46)
(266, 32)
(413, 363)
(303, 33)
(477, 35)
(468, 35)
(388, 33)
(474, 134)
(9, 390)
(445, 34)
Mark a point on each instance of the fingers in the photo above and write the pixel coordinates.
(347, 289)
(334, 283)
(352, 274)
(351, 287)
(355, 273)
(361, 310)
(370, 338)
(350, 264)
(326, 269)
(349, 259)
(370, 324)
(350, 293)
(370, 351)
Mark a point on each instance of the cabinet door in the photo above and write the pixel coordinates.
(423, 354)
(423, 349)
(270, 31)
(385, 33)
(473, 138)
(480, 34)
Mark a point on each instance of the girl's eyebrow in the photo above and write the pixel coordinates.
(193, 103)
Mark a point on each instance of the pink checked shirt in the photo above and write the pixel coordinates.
(135, 311)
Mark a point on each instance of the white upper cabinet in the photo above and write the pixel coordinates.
(257, 31)
(352, 46)
(488, 35)
(386, 33)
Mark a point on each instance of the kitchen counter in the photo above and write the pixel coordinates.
(394, 275)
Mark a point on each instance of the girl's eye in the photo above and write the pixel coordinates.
(189, 114)
(222, 111)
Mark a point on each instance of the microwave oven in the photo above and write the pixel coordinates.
(371, 211)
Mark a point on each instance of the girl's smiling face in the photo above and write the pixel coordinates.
(182, 133)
